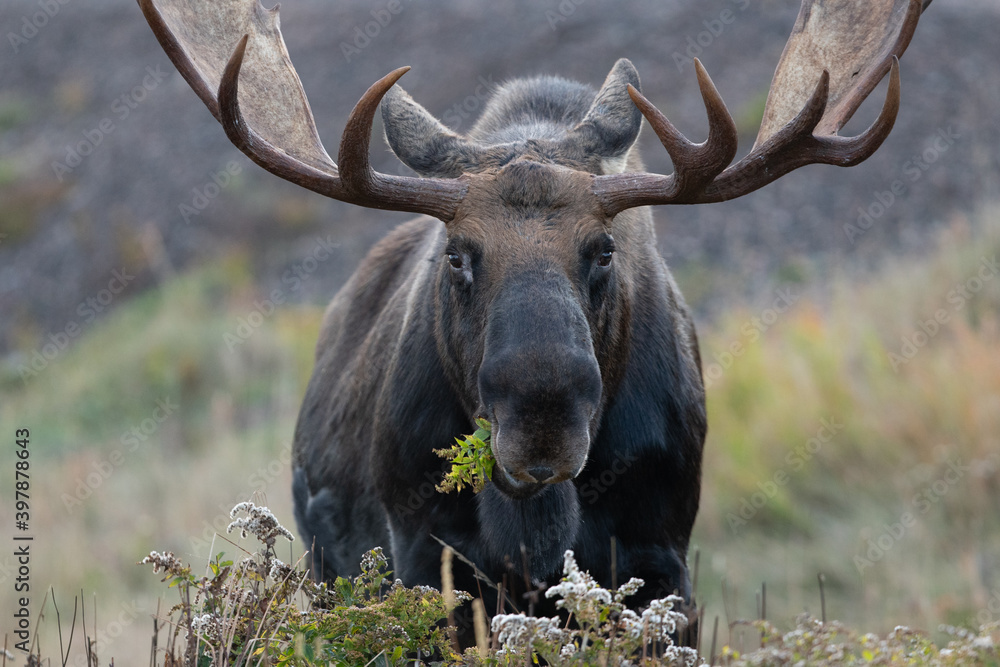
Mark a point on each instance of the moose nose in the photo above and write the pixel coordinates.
(541, 473)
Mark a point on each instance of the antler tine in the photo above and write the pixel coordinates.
(354, 180)
(795, 145)
(278, 131)
(254, 146)
(787, 142)
(438, 197)
(791, 147)
(854, 150)
(353, 159)
(695, 165)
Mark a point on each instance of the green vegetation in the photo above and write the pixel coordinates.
(471, 461)
(15, 111)
(854, 434)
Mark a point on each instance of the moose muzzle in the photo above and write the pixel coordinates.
(539, 383)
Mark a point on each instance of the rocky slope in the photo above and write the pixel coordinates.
(92, 79)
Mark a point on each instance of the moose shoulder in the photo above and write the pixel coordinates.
(529, 294)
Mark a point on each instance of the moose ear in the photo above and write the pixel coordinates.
(612, 123)
(419, 139)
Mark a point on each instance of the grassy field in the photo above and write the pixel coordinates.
(854, 431)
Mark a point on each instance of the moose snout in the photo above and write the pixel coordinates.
(539, 382)
(542, 406)
(535, 456)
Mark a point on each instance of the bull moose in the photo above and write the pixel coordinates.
(529, 292)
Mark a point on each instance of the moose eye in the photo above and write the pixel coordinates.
(455, 260)
(604, 259)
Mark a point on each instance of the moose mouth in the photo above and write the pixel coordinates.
(512, 487)
(524, 483)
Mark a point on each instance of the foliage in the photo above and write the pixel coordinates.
(471, 459)
(263, 611)
(247, 613)
(813, 642)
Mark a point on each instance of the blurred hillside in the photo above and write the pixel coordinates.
(93, 79)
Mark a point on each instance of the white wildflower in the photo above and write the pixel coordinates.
(659, 620)
(166, 562)
(208, 626)
(516, 630)
(373, 561)
(629, 588)
(279, 571)
(677, 655)
(579, 592)
(259, 521)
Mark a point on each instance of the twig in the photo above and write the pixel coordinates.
(715, 635)
(694, 582)
(191, 650)
(156, 635)
(59, 627)
(38, 623)
(529, 594)
(375, 658)
(65, 654)
(86, 637)
(448, 593)
(822, 595)
(481, 630)
(614, 563)
(763, 600)
(298, 589)
(97, 660)
(701, 625)
(475, 570)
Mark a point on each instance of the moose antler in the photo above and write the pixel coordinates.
(847, 47)
(232, 54)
